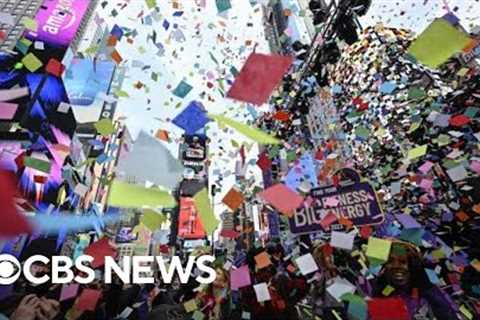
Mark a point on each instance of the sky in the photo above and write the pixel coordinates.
(229, 38)
(201, 46)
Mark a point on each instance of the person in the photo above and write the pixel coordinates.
(32, 307)
(404, 272)
(34, 301)
(217, 296)
(332, 263)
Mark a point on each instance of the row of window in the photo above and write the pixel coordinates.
(22, 6)
(83, 25)
(18, 9)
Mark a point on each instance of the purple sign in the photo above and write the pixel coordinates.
(58, 21)
(356, 202)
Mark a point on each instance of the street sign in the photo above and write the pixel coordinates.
(357, 202)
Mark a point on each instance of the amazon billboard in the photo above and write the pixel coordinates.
(58, 21)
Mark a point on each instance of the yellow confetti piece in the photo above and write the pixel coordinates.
(388, 290)
(466, 312)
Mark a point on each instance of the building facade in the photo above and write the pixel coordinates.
(59, 23)
(15, 10)
(287, 21)
(84, 25)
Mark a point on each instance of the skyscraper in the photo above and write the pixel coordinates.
(15, 11)
(60, 23)
(83, 25)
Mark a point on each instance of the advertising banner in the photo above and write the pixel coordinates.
(85, 80)
(356, 202)
(87, 84)
(189, 223)
(58, 21)
(195, 153)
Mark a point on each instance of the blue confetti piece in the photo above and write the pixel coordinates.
(388, 87)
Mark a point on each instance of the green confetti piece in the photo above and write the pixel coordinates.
(37, 164)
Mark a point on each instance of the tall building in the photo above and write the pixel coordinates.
(15, 11)
(60, 24)
(276, 22)
(118, 78)
(118, 146)
(96, 38)
(319, 119)
(270, 32)
(83, 25)
(286, 21)
(308, 17)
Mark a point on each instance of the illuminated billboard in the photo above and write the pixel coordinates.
(58, 21)
(189, 224)
(87, 83)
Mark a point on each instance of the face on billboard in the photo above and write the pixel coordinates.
(58, 21)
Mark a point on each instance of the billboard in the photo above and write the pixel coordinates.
(58, 21)
(356, 202)
(87, 83)
(189, 223)
(85, 79)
